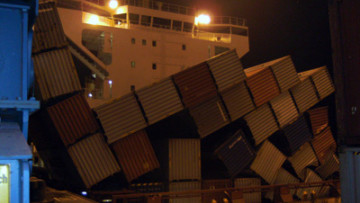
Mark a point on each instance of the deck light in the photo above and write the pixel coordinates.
(202, 19)
(93, 20)
(113, 4)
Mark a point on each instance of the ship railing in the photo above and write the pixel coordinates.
(228, 20)
(83, 6)
(215, 37)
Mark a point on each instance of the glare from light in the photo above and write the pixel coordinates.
(84, 193)
(107, 200)
(121, 10)
(113, 4)
(90, 96)
(202, 19)
(93, 20)
(110, 82)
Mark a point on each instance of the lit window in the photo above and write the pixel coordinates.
(144, 42)
(184, 47)
(132, 87)
(154, 43)
(154, 66)
(132, 64)
(132, 40)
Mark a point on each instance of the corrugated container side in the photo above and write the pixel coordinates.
(236, 153)
(262, 123)
(93, 159)
(304, 157)
(268, 162)
(151, 187)
(311, 176)
(284, 109)
(285, 73)
(55, 73)
(262, 85)
(330, 166)
(209, 116)
(297, 133)
(73, 119)
(319, 119)
(305, 95)
(195, 84)
(185, 186)
(215, 184)
(135, 155)
(254, 197)
(121, 117)
(237, 100)
(184, 159)
(283, 177)
(48, 31)
(226, 69)
(323, 82)
(160, 100)
(324, 143)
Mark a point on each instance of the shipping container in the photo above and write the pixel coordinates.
(215, 184)
(284, 71)
(304, 157)
(93, 159)
(236, 153)
(209, 116)
(284, 109)
(262, 123)
(283, 177)
(305, 193)
(237, 100)
(254, 197)
(121, 117)
(55, 73)
(262, 84)
(324, 143)
(152, 187)
(135, 155)
(73, 119)
(268, 161)
(185, 186)
(159, 100)
(330, 166)
(48, 30)
(292, 136)
(226, 69)
(304, 94)
(195, 84)
(322, 81)
(319, 119)
(184, 159)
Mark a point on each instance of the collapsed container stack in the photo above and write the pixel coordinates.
(275, 145)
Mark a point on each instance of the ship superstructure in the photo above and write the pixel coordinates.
(141, 41)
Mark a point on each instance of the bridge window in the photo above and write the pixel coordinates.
(120, 19)
(188, 27)
(134, 18)
(145, 20)
(239, 31)
(98, 43)
(162, 23)
(177, 25)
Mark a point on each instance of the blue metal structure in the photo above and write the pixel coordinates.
(16, 75)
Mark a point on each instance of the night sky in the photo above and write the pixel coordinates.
(299, 28)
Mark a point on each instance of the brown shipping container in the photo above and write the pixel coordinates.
(330, 166)
(237, 100)
(268, 162)
(209, 116)
(185, 186)
(73, 119)
(196, 85)
(135, 155)
(304, 157)
(324, 143)
(262, 123)
(284, 109)
(121, 117)
(283, 177)
(319, 119)
(48, 31)
(215, 184)
(254, 197)
(184, 159)
(305, 193)
(55, 73)
(93, 159)
(262, 85)
(305, 95)
(160, 100)
(226, 69)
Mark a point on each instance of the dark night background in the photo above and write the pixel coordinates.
(299, 28)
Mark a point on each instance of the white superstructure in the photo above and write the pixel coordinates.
(142, 41)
